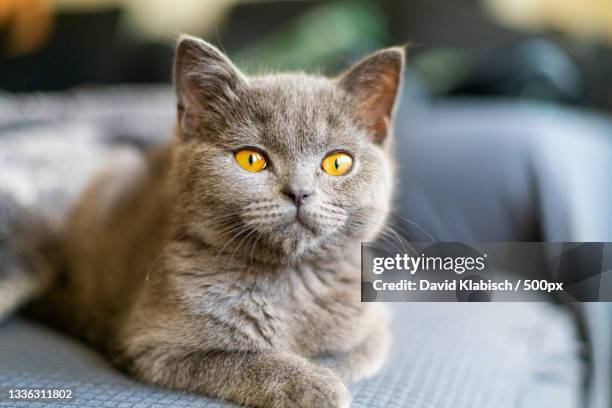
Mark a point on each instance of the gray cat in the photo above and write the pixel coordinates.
(227, 263)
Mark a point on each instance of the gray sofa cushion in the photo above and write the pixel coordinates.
(498, 355)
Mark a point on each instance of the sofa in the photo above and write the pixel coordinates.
(474, 170)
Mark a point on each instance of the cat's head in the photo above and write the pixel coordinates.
(280, 167)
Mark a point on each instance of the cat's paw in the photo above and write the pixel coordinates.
(320, 389)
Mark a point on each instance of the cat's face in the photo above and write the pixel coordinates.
(281, 167)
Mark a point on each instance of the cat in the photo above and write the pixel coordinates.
(227, 262)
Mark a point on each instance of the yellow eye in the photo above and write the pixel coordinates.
(251, 160)
(337, 164)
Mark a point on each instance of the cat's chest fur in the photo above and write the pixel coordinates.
(307, 308)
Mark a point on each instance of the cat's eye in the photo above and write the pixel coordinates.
(337, 164)
(251, 160)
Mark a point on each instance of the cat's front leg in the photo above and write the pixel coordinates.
(367, 357)
(276, 380)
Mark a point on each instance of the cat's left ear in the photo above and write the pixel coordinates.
(374, 84)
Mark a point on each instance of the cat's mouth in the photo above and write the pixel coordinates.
(297, 219)
(299, 223)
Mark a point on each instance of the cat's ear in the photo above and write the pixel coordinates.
(373, 85)
(206, 84)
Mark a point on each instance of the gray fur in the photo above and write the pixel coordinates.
(191, 273)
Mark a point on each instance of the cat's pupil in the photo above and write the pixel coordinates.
(337, 164)
(251, 159)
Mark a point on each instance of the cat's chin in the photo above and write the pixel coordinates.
(299, 239)
(296, 237)
(288, 243)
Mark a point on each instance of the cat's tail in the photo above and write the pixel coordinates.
(28, 253)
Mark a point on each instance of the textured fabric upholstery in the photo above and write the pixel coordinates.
(498, 355)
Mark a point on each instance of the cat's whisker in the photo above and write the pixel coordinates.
(152, 265)
(246, 237)
(392, 240)
(411, 222)
(386, 237)
(388, 234)
(225, 221)
(406, 245)
(253, 248)
(351, 229)
(231, 228)
(242, 231)
(390, 228)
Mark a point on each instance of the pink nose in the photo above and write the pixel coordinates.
(298, 196)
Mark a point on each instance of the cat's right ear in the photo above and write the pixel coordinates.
(206, 84)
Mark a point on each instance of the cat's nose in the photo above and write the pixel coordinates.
(298, 196)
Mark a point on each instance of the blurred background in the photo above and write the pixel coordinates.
(554, 50)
